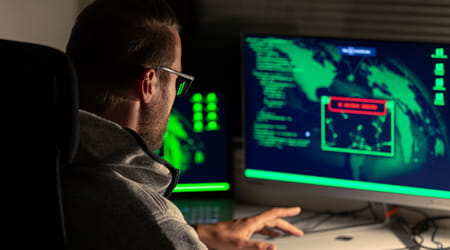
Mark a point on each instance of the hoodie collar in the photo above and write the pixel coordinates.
(104, 143)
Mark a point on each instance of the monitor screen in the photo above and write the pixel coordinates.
(195, 143)
(368, 119)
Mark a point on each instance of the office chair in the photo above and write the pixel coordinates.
(44, 128)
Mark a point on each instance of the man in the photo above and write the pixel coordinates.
(128, 59)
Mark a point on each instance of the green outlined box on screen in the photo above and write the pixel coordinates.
(357, 125)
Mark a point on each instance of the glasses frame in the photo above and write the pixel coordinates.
(183, 81)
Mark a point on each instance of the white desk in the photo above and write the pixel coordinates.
(369, 237)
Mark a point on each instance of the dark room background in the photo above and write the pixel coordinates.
(211, 32)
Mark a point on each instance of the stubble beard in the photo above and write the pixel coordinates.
(154, 118)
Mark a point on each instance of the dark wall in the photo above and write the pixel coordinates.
(211, 32)
(211, 52)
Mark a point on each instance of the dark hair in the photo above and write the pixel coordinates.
(113, 41)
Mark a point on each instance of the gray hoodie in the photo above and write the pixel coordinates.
(115, 193)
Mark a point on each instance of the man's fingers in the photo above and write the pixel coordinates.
(273, 219)
(285, 226)
(269, 232)
(279, 212)
(256, 245)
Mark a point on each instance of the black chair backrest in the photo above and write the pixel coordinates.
(44, 123)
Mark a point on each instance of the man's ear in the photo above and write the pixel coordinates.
(145, 86)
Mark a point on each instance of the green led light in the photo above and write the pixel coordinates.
(212, 125)
(197, 116)
(197, 97)
(198, 126)
(197, 107)
(211, 97)
(332, 182)
(212, 107)
(212, 116)
(201, 187)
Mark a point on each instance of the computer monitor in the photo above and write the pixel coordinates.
(348, 118)
(195, 143)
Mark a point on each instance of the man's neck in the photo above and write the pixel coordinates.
(126, 115)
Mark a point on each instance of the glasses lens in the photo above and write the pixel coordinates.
(182, 85)
(183, 81)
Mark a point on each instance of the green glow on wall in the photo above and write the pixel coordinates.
(332, 182)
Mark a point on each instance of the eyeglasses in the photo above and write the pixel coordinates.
(183, 81)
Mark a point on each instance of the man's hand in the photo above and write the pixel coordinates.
(235, 234)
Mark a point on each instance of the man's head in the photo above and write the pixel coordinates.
(117, 47)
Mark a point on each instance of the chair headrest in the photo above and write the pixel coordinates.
(49, 77)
